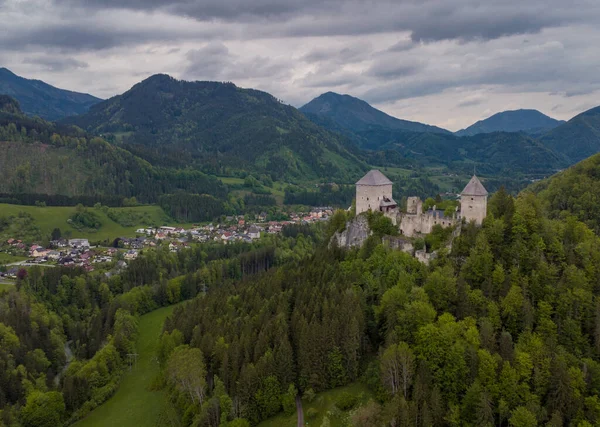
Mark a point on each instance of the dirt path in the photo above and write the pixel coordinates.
(300, 411)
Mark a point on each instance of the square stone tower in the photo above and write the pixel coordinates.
(373, 191)
(473, 201)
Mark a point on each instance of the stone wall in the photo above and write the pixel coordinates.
(473, 208)
(369, 196)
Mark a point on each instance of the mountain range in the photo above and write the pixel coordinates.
(219, 128)
(528, 121)
(356, 115)
(41, 99)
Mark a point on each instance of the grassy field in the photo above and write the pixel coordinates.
(7, 258)
(49, 218)
(133, 404)
(5, 286)
(277, 190)
(324, 404)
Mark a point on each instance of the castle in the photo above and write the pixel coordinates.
(374, 192)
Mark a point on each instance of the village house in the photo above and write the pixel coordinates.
(130, 255)
(254, 232)
(79, 243)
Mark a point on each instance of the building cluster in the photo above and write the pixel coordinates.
(79, 253)
(374, 193)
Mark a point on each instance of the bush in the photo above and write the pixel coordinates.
(346, 401)
(311, 413)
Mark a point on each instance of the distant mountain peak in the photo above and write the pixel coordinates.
(522, 120)
(38, 98)
(354, 114)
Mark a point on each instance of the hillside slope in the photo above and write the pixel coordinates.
(41, 99)
(579, 138)
(357, 115)
(38, 157)
(493, 153)
(529, 121)
(575, 191)
(219, 128)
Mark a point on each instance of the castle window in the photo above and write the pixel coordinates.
(471, 198)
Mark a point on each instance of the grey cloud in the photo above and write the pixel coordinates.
(55, 63)
(356, 52)
(430, 20)
(393, 68)
(215, 62)
(471, 102)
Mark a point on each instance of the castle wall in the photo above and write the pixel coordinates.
(473, 208)
(369, 196)
(423, 223)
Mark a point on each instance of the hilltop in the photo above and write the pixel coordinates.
(575, 191)
(219, 128)
(38, 98)
(578, 138)
(528, 121)
(355, 115)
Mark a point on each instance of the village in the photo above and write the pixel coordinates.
(78, 252)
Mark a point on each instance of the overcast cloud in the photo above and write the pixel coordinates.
(442, 62)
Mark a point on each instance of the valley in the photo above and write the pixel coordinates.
(267, 265)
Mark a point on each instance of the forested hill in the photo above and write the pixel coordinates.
(575, 191)
(529, 121)
(355, 115)
(219, 127)
(41, 99)
(493, 153)
(59, 163)
(579, 138)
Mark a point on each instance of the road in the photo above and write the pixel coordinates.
(28, 264)
(300, 411)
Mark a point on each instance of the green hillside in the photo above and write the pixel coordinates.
(46, 219)
(219, 128)
(579, 138)
(493, 153)
(575, 191)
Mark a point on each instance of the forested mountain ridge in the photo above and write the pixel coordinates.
(523, 120)
(374, 131)
(219, 127)
(41, 99)
(575, 191)
(492, 153)
(578, 138)
(356, 115)
(38, 157)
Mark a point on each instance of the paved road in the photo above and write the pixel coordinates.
(300, 411)
(29, 264)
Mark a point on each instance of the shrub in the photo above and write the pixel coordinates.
(312, 413)
(346, 401)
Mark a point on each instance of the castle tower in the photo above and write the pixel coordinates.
(374, 192)
(473, 201)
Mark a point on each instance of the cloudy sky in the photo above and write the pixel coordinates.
(443, 62)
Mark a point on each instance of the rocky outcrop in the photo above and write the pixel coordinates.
(356, 233)
(399, 243)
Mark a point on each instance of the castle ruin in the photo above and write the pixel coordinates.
(374, 192)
